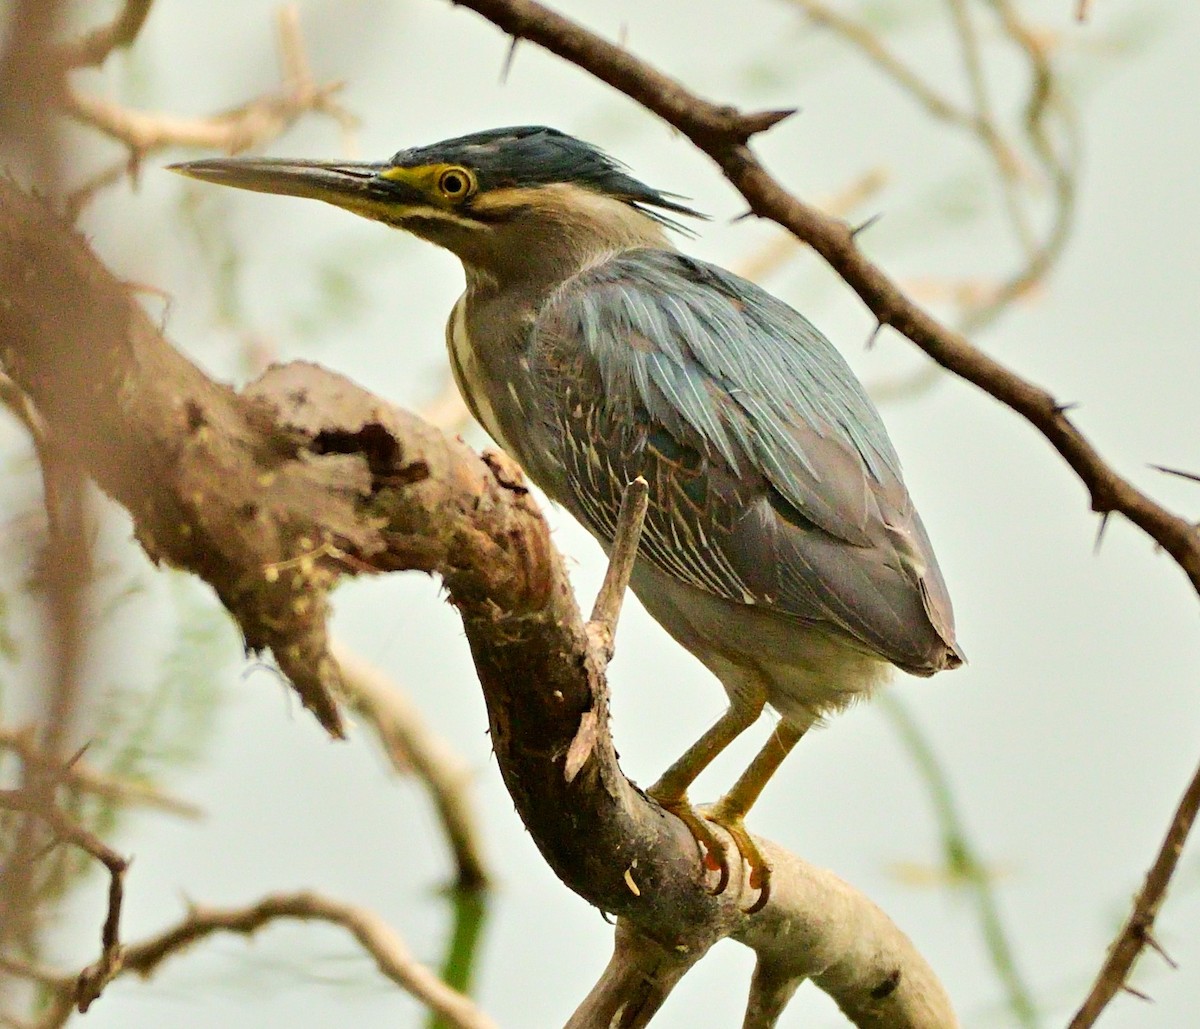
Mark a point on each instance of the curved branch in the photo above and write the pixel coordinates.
(93, 48)
(375, 936)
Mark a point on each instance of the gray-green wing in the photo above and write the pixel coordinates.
(772, 479)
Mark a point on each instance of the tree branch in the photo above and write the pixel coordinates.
(375, 936)
(39, 803)
(93, 49)
(232, 131)
(1138, 930)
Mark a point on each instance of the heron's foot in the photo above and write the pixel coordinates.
(712, 853)
(730, 818)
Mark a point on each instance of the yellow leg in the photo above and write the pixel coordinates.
(671, 789)
(730, 811)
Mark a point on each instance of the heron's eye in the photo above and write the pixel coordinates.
(456, 183)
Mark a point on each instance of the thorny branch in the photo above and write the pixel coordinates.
(376, 937)
(723, 133)
(78, 775)
(37, 801)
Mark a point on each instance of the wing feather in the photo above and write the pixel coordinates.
(772, 478)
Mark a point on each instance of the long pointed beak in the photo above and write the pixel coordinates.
(355, 187)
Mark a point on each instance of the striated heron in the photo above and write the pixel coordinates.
(780, 546)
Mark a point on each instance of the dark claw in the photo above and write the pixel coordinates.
(712, 854)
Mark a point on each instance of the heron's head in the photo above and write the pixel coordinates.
(505, 200)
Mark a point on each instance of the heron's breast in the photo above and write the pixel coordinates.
(471, 375)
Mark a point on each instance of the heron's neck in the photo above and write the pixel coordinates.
(509, 279)
(528, 257)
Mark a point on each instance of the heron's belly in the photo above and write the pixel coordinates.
(808, 671)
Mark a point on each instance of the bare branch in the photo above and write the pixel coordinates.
(80, 776)
(602, 626)
(376, 937)
(40, 804)
(1137, 932)
(246, 126)
(94, 48)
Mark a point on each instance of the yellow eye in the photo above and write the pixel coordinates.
(456, 183)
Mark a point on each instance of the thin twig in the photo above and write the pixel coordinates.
(21, 407)
(83, 777)
(1137, 931)
(94, 48)
(1008, 170)
(602, 626)
(375, 936)
(248, 125)
(40, 804)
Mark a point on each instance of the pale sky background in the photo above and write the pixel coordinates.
(1068, 738)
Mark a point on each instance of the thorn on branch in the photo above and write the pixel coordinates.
(1152, 942)
(871, 339)
(1126, 988)
(1191, 476)
(762, 121)
(1100, 531)
(744, 216)
(864, 225)
(508, 59)
(1062, 409)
